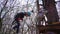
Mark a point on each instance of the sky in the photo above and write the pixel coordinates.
(24, 2)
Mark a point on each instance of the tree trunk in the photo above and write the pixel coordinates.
(37, 5)
(52, 14)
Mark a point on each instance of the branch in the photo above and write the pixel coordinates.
(3, 7)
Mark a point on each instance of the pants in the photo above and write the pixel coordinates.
(17, 27)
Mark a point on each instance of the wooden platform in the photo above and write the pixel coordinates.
(51, 27)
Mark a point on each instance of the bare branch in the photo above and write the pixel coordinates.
(3, 7)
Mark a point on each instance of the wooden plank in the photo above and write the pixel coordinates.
(52, 27)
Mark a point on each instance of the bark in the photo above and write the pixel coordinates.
(52, 14)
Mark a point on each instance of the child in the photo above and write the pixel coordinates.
(19, 17)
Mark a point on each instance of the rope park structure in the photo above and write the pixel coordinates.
(30, 24)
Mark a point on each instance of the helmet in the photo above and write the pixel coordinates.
(28, 13)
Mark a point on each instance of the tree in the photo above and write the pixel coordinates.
(52, 14)
(1, 12)
(4, 9)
